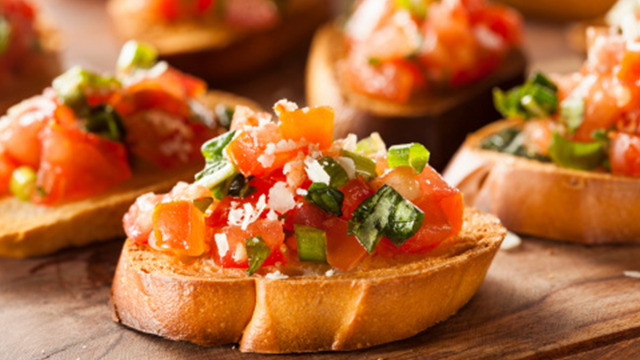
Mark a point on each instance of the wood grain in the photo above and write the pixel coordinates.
(543, 300)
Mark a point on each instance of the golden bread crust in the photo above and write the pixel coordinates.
(28, 230)
(543, 199)
(201, 303)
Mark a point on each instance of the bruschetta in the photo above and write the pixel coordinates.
(565, 164)
(416, 70)
(73, 159)
(28, 52)
(219, 40)
(290, 241)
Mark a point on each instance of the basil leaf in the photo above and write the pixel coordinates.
(385, 213)
(537, 97)
(414, 155)
(336, 172)
(572, 113)
(218, 169)
(257, 251)
(104, 121)
(576, 155)
(364, 166)
(312, 244)
(326, 197)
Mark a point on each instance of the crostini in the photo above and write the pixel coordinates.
(219, 40)
(28, 52)
(565, 164)
(416, 70)
(73, 159)
(290, 241)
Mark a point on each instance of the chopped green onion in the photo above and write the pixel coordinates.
(135, 54)
(237, 186)
(364, 166)
(203, 204)
(326, 197)
(537, 97)
(336, 172)
(257, 251)
(224, 114)
(572, 112)
(71, 87)
(23, 182)
(371, 145)
(374, 61)
(576, 155)
(5, 34)
(385, 213)
(414, 155)
(218, 169)
(103, 120)
(312, 244)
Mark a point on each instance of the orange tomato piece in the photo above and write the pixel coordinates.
(630, 67)
(235, 255)
(624, 154)
(179, 227)
(7, 166)
(315, 125)
(355, 191)
(343, 251)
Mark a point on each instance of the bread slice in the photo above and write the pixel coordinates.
(381, 301)
(213, 50)
(29, 230)
(438, 120)
(543, 199)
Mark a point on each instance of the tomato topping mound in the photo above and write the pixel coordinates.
(282, 192)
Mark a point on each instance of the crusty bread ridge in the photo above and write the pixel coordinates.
(31, 230)
(543, 199)
(439, 120)
(215, 51)
(201, 303)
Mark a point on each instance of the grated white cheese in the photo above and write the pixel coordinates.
(511, 241)
(240, 254)
(348, 165)
(315, 171)
(330, 272)
(222, 243)
(632, 274)
(302, 192)
(276, 275)
(285, 105)
(247, 214)
(281, 198)
(350, 142)
(267, 158)
(271, 215)
(314, 151)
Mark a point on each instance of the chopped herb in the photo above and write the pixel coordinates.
(72, 86)
(203, 204)
(370, 145)
(312, 244)
(326, 197)
(104, 121)
(572, 113)
(535, 98)
(576, 155)
(336, 172)
(257, 251)
(414, 155)
(510, 141)
(218, 169)
(135, 54)
(364, 166)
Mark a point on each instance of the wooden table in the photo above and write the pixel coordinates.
(542, 300)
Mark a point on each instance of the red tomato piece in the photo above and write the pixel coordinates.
(315, 125)
(76, 164)
(355, 191)
(624, 154)
(630, 67)
(138, 221)
(234, 254)
(179, 227)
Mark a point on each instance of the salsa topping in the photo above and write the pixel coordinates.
(588, 120)
(398, 48)
(283, 191)
(79, 137)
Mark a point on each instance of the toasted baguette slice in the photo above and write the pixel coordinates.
(381, 301)
(28, 230)
(439, 120)
(213, 50)
(543, 199)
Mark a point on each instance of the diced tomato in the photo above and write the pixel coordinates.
(6, 170)
(630, 67)
(252, 14)
(244, 116)
(387, 80)
(167, 9)
(234, 255)
(306, 214)
(138, 221)
(624, 154)
(76, 164)
(343, 251)
(315, 125)
(403, 180)
(179, 227)
(501, 20)
(355, 191)
(447, 197)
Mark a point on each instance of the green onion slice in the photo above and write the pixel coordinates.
(136, 54)
(312, 244)
(326, 197)
(364, 166)
(414, 155)
(72, 86)
(537, 97)
(572, 112)
(257, 251)
(576, 155)
(335, 171)
(23, 182)
(371, 145)
(203, 204)
(218, 169)
(385, 213)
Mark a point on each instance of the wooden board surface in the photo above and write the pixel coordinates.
(543, 300)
